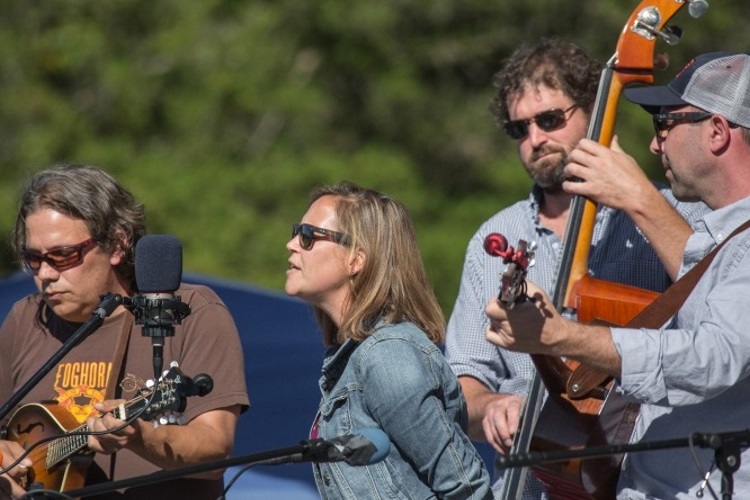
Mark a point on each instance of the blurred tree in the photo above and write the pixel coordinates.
(221, 115)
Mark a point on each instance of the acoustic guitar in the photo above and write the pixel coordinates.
(513, 289)
(61, 463)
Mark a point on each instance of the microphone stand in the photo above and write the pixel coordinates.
(307, 450)
(726, 446)
(109, 302)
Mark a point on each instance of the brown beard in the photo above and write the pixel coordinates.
(548, 174)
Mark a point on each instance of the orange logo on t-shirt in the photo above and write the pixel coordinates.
(80, 385)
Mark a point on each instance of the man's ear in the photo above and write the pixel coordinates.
(720, 134)
(118, 252)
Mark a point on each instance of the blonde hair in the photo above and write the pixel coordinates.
(392, 285)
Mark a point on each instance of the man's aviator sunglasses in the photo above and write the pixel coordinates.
(308, 234)
(60, 258)
(548, 121)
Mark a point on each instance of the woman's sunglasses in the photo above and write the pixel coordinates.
(548, 121)
(60, 258)
(308, 234)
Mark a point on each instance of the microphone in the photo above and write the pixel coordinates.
(158, 272)
(362, 447)
(697, 8)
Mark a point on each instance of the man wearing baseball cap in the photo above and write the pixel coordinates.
(693, 374)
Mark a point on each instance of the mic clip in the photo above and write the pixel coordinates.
(157, 315)
(109, 302)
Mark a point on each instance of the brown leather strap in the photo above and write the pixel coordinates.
(585, 379)
(119, 356)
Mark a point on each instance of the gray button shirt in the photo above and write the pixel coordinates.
(693, 375)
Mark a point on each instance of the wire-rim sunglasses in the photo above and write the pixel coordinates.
(548, 121)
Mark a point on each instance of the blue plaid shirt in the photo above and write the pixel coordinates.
(619, 253)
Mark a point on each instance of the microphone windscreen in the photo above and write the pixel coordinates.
(697, 8)
(158, 263)
(381, 442)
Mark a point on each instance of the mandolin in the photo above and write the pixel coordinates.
(61, 464)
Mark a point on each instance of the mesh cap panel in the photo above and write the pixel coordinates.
(722, 86)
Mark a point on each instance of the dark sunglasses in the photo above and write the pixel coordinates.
(60, 258)
(664, 122)
(308, 234)
(548, 121)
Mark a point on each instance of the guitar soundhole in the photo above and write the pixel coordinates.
(29, 428)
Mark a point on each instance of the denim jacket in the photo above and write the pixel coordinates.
(398, 381)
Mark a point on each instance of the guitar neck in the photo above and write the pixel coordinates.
(65, 447)
(76, 441)
(514, 479)
(582, 214)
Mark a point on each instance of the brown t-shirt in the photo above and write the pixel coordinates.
(206, 342)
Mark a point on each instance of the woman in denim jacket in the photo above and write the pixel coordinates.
(355, 258)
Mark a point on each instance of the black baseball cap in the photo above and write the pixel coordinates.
(717, 82)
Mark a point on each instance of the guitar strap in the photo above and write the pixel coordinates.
(116, 375)
(118, 360)
(667, 304)
(656, 314)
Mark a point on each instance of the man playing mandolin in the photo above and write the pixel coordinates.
(76, 232)
(690, 376)
(546, 94)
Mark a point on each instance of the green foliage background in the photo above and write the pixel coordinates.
(221, 115)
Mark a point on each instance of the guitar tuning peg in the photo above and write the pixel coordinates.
(181, 420)
(174, 364)
(155, 424)
(532, 253)
(163, 420)
(172, 418)
(149, 383)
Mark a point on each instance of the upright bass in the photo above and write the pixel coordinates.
(581, 410)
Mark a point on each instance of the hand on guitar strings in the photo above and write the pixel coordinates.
(536, 327)
(10, 453)
(111, 433)
(522, 328)
(108, 433)
(16, 461)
